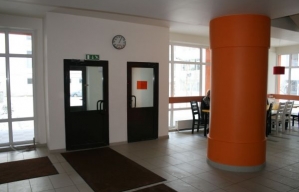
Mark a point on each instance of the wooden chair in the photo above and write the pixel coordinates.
(279, 117)
(288, 113)
(195, 114)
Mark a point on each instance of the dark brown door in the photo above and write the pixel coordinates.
(86, 104)
(142, 96)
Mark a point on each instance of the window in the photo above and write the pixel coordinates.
(188, 69)
(288, 84)
(16, 87)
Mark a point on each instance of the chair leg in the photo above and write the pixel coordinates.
(193, 127)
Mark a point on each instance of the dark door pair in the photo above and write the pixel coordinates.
(86, 104)
(87, 109)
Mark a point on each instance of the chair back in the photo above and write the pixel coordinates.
(280, 114)
(288, 108)
(195, 109)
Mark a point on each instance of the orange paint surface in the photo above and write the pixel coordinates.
(239, 70)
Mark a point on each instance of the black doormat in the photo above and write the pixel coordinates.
(104, 169)
(157, 188)
(26, 169)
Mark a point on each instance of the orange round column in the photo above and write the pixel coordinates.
(239, 45)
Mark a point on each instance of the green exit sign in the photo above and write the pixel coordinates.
(92, 57)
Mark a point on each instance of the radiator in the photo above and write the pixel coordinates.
(183, 124)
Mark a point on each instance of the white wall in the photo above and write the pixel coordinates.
(190, 39)
(287, 50)
(71, 37)
(36, 25)
(272, 61)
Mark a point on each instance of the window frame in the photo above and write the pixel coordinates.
(172, 62)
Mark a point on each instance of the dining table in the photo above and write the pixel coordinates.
(275, 106)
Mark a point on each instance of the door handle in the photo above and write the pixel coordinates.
(101, 104)
(133, 98)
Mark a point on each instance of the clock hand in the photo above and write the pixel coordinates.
(120, 39)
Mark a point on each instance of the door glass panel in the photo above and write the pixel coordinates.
(21, 87)
(89, 90)
(20, 44)
(94, 87)
(3, 98)
(142, 87)
(4, 135)
(23, 130)
(76, 88)
(2, 43)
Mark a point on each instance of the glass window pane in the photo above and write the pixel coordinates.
(2, 43)
(294, 60)
(94, 90)
(283, 82)
(76, 88)
(142, 87)
(186, 79)
(294, 81)
(23, 131)
(285, 60)
(20, 44)
(191, 54)
(4, 135)
(3, 97)
(21, 91)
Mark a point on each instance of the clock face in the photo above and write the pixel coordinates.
(119, 42)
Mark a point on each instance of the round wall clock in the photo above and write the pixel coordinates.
(119, 42)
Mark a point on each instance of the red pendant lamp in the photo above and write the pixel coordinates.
(278, 70)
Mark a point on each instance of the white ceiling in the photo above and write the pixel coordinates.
(181, 16)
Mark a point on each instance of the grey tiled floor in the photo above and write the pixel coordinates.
(181, 160)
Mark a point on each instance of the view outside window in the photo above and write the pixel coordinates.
(289, 82)
(189, 54)
(187, 68)
(21, 91)
(186, 80)
(15, 48)
(76, 88)
(2, 43)
(16, 94)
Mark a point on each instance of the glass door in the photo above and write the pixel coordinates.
(16, 89)
(142, 95)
